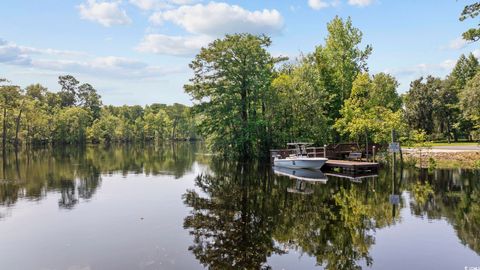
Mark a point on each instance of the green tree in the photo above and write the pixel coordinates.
(419, 103)
(71, 125)
(9, 100)
(300, 99)
(68, 92)
(465, 68)
(231, 85)
(372, 110)
(36, 92)
(470, 101)
(157, 125)
(340, 60)
(89, 99)
(103, 129)
(471, 11)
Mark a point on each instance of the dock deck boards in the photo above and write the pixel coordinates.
(352, 165)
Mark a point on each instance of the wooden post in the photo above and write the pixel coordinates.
(393, 152)
(366, 145)
(324, 150)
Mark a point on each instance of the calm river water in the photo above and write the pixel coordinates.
(173, 207)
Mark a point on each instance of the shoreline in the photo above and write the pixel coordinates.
(442, 158)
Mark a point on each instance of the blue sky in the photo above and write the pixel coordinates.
(137, 51)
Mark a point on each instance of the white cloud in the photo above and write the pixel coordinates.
(318, 4)
(458, 43)
(216, 19)
(111, 66)
(149, 4)
(360, 3)
(11, 54)
(104, 13)
(476, 53)
(205, 23)
(173, 45)
(159, 4)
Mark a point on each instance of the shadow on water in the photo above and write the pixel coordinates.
(76, 172)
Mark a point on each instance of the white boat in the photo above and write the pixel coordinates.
(300, 160)
(301, 174)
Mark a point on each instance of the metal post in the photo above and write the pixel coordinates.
(324, 150)
(393, 152)
(373, 149)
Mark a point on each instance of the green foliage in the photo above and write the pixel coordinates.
(470, 100)
(364, 113)
(301, 99)
(419, 103)
(71, 125)
(231, 85)
(471, 11)
(244, 107)
(432, 164)
(435, 105)
(422, 192)
(476, 165)
(340, 60)
(76, 115)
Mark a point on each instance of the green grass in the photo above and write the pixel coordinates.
(455, 144)
(448, 144)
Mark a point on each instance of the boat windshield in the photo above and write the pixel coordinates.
(300, 148)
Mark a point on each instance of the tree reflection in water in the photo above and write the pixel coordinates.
(242, 214)
(76, 172)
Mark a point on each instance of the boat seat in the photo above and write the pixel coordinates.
(354, 156)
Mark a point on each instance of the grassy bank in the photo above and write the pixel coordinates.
(442, 160)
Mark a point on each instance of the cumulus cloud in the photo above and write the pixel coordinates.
(360, 3)
(172, 45)
(217, 19)
(104, 13)
(204, 23)
(318, 4)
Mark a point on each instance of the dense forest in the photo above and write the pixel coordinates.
(75, 115)
(247, 101)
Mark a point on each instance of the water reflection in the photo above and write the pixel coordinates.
(243, 214)
(76, 173)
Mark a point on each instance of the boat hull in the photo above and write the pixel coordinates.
(300, 163)
(301, 174)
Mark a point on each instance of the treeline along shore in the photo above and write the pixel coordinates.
(247, 101)
(75, 115)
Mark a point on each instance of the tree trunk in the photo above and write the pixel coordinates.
(17, 128)
(244, 115)
(4, 132)
(366, 145)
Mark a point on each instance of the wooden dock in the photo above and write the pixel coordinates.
(351, 166)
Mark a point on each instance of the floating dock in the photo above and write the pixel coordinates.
(351, 166)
